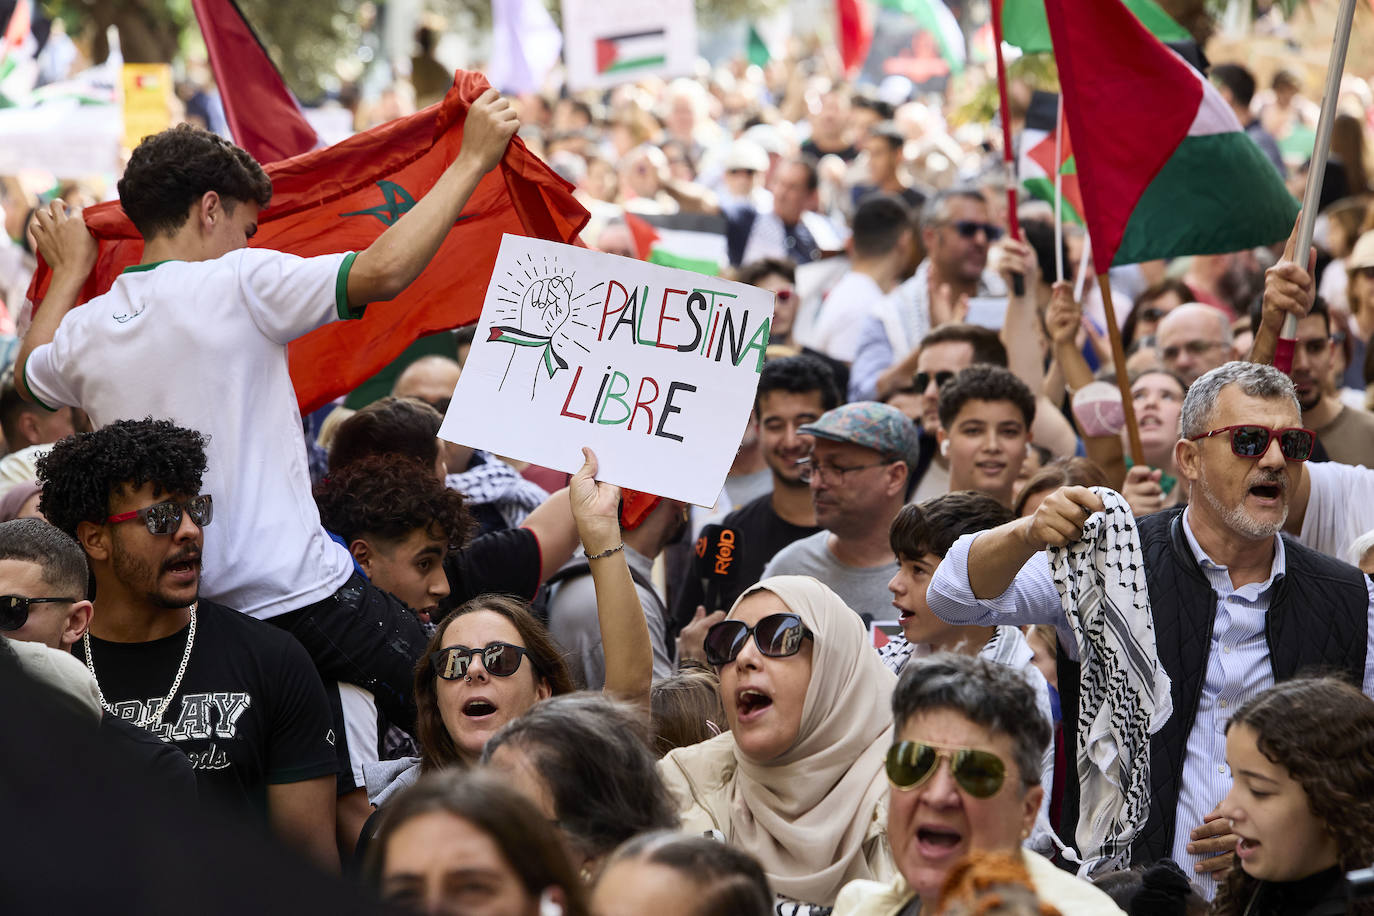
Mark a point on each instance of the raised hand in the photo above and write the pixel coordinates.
(487, 129)
(64, 241)
(1142, 490)
(1060, 519)
(595, 506)
(546, 304)
(1064, 317)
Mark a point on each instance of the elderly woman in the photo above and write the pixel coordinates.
(797, 781)
(965, 775)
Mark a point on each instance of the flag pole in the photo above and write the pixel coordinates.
(1316, 171)
(1123, 378)
(1059, 192)
(1018, 282)
(1081, 284)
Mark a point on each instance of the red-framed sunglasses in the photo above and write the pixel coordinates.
(1250, 440)
(165, 517)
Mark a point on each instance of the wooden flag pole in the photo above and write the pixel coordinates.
(1018, 282)
(1123, 378)
(1283, 351)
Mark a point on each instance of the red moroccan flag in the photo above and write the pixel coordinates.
(343, 197)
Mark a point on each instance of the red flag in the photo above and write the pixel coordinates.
(642, 233)
(342, 198)
(18, 28)
(856, 33)
(262, 113)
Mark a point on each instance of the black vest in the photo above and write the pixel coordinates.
(1317, 622)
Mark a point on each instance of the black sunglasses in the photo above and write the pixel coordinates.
(165, 517)
(499, 658)
(777, 636)
(922, 379)
(1252, 440)
(969, 228)
(14, 609)
(912, 763)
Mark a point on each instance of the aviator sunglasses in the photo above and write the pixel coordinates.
(1252, 441)
(165, 517)
(911, 764)
(499, 658)
(777, 636)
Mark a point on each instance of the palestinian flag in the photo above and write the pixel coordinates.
(1037, 165)
(632, 51)
(933, 16)
(688, 241)
(1164, 166)
(1024, 25)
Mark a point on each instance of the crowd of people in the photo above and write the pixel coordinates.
(973, 652)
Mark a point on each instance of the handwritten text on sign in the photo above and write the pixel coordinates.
(654, 368)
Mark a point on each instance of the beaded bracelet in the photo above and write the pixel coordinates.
(606, 553)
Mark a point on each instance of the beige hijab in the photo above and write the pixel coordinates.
(807, 814)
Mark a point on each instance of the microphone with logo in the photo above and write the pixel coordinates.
(716, 563)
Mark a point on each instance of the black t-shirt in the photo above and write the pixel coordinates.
(810, 149)
(759, 533)
(161, 761)
(251, 710)
(504, 562)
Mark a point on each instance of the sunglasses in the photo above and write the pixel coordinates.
(499, 658)
(784, 295)
(14, 609)
(1252, 441)
(968, 228)
(165, 517)
(776, 636)
(911, 764)
(922, 379)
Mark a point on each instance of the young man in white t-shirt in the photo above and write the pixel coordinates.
(197, 334)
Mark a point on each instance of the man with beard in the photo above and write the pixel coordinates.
(240, 697)
(1347, 434)
(1235, 606)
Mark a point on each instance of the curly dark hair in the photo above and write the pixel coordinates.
(934, 525)
(170, 171)
(437, 749)
(82, 471)
(1321, 730)
(983, 382)
(388, 497)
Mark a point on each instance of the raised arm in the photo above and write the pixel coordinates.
(1063, 320)
(998, 555)
(553, 527)
(1288, 290)
(624, 630)
(69, 249)
(391, 263)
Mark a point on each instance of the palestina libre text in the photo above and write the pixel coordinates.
(715, 327)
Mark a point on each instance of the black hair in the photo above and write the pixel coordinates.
(389, 496)
(934, 525)
(81, 472)
(798, 375)
(750, 274)
(1040, 236)
(878, 224)
(1240, 82)
(887, 130)
(593, 755)
(813, 177)
(59, 558)
(12, 406)
(984, 383)
(1162, 889)
(388, 426)
(987, 345)
(729, 882)
(171, 170)
(1144, 300)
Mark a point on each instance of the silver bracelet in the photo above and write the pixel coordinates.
(606, 553)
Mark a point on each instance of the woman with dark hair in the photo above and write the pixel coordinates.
(797, 781)
(1302, 800)
(464, 840)
(585, 762)
(668, 874)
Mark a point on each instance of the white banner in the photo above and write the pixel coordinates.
(653, 368)
(608, 42)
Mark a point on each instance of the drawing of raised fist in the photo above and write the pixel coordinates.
(546, 304)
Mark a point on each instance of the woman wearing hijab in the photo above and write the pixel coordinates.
(798, 779)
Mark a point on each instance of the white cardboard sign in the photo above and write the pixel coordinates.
(653, 368)
(608, 42)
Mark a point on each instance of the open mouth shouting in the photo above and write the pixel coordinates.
(751, 704)
(479, 709)
(939, 842)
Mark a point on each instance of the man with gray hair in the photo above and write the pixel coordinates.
(1235, 605)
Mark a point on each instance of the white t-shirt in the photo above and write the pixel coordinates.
(203, 344)
(1340, 506)
(840, 318)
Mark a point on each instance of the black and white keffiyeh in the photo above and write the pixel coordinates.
(493, 482)
(1123, 690)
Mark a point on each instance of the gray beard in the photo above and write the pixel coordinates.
(1237, 519)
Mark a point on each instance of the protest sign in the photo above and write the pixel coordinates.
(653, 368)
(608, 42)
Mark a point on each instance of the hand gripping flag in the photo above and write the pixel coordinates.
(343, 197)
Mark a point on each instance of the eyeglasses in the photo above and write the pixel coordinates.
(14, 609)
(922, 379)
(499, 658)
(833, 474)
(1252, 441)
(968, 228)
(1194, 348)
(165, 517)
(911, 764)
(776, 636)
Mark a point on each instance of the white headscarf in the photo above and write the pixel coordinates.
(806, 814)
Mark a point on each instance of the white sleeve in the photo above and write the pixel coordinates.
(43, 376)
(287, 296)
(1340, 506)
